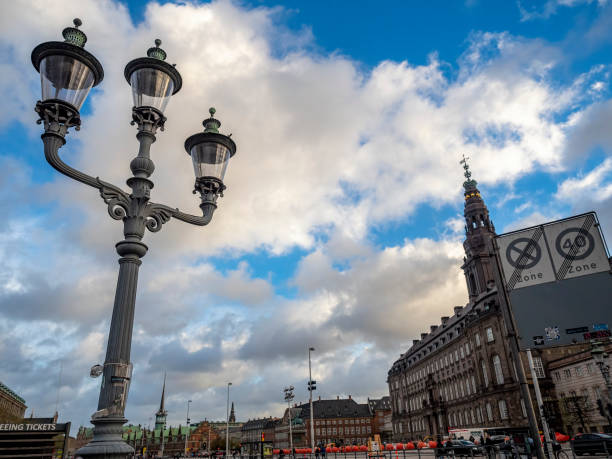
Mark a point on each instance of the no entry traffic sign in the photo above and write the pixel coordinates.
(524, 260)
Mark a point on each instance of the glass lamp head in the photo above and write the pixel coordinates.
(67, 71)
(210, 151)
(153, 80)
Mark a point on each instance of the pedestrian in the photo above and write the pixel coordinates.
(472, 439)
(489, 446)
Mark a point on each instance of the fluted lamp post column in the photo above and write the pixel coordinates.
(68, 72)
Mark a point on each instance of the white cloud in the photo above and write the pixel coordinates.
(326, 151)
(593, 186)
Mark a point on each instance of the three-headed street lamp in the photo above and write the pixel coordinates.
(67, 74)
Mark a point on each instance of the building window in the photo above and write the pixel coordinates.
(467, 348)
(597, 392)
(589, 368)
(462, 353)
(503, 409)
(578, 371)
(523, 409)
(490, 336)
(567, 373)
(489, 412)
(485, 376)
(477, 339)
(538, 367)
(472, 416)
(473, 284)
(499, 375)
(479, 413)
(473, 384)
(557, 376)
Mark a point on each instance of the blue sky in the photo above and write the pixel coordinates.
(342, 224)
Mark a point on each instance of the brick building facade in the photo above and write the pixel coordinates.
(12, 406)
(460, 374)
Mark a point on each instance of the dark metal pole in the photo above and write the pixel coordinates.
(515, 351)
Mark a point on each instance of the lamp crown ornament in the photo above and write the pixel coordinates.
(157, 52)
(73, 35)
(211, 124)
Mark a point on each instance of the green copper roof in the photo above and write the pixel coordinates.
(5, 389)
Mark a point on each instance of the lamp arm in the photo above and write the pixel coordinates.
(158, 214)
(116, 199)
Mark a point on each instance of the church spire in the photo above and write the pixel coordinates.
(163, 396)
(479, 231)
(232, 417)
(160, 416)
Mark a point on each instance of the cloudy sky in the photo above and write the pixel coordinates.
(342, 224)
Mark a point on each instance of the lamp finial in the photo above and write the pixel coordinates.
(211, 124)
(157, 52)
(73, 35)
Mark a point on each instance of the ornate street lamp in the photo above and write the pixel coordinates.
(67, 73)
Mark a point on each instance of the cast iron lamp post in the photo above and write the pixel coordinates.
(67, 74)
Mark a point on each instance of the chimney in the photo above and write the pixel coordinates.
(444, 319)
(433, 328)
(415, 342)
(423, 336)
(319, 398)
(457, 310)
(337, 397)
(350, 397)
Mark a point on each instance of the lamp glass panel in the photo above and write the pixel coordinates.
(151, 88)
(210, 159)
(65, 78)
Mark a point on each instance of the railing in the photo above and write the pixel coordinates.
(565, 451)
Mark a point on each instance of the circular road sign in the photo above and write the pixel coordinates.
(575, 243)
(523, 253)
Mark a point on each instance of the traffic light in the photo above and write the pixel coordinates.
(312, 385)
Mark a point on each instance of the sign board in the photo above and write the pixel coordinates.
(34, 437)
(524, 258)
(552, 252)
(559, 281)
(576, 247)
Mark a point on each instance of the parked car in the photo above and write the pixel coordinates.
(592, 443)
(461, 448)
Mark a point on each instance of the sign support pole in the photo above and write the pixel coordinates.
(538, 394)
(515, 351)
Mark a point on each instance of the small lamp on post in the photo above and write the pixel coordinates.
(210, 153)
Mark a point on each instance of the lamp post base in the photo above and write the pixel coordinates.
(107, 442)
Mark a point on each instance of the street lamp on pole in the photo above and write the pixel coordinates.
(67, 73)
(288, 398)
(312, 385)
(227, 424)
(187, 433)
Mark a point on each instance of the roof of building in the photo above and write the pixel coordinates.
(376, 404)
(6, 390)
(259, 424)
(338, 408)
